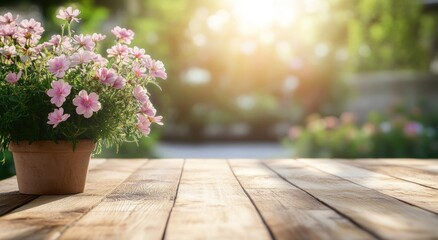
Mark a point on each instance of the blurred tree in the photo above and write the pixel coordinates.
(219, 74)
(391, 35)
(325, 40)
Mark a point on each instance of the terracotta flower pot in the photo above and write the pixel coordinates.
(46, 167)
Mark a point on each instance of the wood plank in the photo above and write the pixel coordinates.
(288, 211)
(95, 161)
(47, 216)
(430, 165)
(10, 198)
(137, 209)
(381, 214)
(412, 193)
(405, 172)
(211, 205)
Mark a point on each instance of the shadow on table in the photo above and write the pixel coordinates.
(10, 201)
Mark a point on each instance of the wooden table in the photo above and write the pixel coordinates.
(234, 199)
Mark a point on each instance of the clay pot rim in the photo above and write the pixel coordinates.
(45, 145)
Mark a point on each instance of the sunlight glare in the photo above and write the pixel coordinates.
(217, 21)
(257, 15)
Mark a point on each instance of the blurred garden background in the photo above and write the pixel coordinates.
(306, 78)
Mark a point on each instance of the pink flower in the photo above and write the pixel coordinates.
(81, 57)
(156, 119)
(138, 53)
(28, 32)
(96, 37)
(118, 50)
(7, 19)
(140, 94)
(85, 41)
(99, 60)
(106, 76)
(57, 116)
(157, 69)
(69, 14)
(139, 72)
(7, 30)
(59, 65)
(119, 82)
(143, 124)
(86, 104)
(13, 77)
(123, 34)
(413, 129)
(55, 40)
(331, 122)
(8, 52)
(294, 132)
(37, 49)
(148, 109)
(32, 27)
(59, 91)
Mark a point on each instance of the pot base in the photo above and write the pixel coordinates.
(45, 167)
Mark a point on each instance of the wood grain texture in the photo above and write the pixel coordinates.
(137, 209)
(412, 193)
(10, 198)
(48, 216)
(211, 205)
(235, 199)
(382, 215)
(405, 172)
(288, 211)
(430, 165)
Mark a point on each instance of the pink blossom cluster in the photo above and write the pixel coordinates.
(86, 104)
(26, 32)
(141, 63)
(147, 112)
(67, 59)
(124, 35)
(109, 77)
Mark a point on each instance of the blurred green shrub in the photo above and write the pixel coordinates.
(143, 149)
(394, 136)
(7, 167)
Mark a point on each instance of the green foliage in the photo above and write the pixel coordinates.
(399, 135)
(141, 149)
(390, 35)
(7, 167)
(92, 16)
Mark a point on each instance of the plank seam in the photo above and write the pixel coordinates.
(354, 222)
(174, 201)
(253, 203)
(400, 200)
(67, 226)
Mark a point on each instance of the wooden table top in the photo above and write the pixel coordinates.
(234, 199)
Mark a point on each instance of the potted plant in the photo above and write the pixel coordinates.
(60, 99)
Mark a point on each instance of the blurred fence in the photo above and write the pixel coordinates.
(383, 91)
